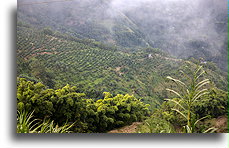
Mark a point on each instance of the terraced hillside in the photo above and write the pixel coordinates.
(58, 59)
(200, 30)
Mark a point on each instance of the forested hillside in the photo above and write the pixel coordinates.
(56, 60)
(183, 29)
(82, 67)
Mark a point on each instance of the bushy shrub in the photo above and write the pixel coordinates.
(66, 105)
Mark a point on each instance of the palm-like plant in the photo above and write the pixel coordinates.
(50, 127)
(26, 124)
(189, 93)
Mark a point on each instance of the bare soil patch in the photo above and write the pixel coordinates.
(127, 129)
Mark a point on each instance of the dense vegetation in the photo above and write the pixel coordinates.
(56, 60)
(76, 113)
(65, 104)
(195, 101)
(200, 31)
(90, 67)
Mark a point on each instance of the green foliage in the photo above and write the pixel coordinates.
(48, 126)
(48, 31)
(56, 59)
(60, 59)
(120, 110)
(214, 104)
(155, 125)
(26, 124)
(31, 96)
(65, 104)
(196, 101)
(166, 112)
(189, 93)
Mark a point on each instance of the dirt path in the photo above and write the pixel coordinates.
(221, 124)
(127, 129)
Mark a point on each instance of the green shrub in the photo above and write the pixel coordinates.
(155, 125)
(66, 104)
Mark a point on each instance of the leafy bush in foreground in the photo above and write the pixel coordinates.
(155, 125)
(66, 104)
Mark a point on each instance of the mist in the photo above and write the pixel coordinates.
(196, 28)
(183, 28)
(179, 22)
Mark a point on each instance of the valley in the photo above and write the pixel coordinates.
(98, 67)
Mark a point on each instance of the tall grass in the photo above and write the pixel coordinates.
(189, 93)
(27, 124)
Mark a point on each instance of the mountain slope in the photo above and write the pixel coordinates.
(87, 19)
(58, 59)
(199, 30)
